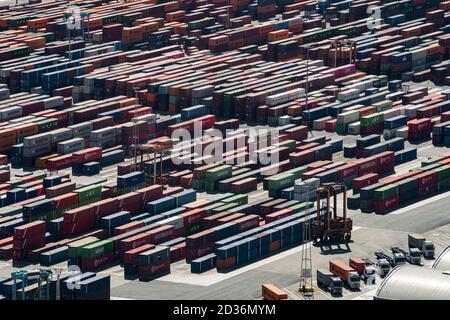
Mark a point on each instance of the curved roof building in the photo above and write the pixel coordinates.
(443, 261)
(414, 283)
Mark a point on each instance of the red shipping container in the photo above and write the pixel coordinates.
(161, 267)
(162, 234)
(248, 222)
(84, 215)
(301, 158)
(387, 161)
(194, 253)
(59, 163)
(6, 252)
(87, 155)
(426, 178)
(365, 181)
(278, 215)
(348, 170)
(419, 125)
(368, 165)
(91, 264)
(134, 242)
(105, 207)
(150, 193)
(178, 252)
(128, 227)
(30, 230)
(193, 216)
(3, 159)
(65, 200)
(131, 256)
(30, 242)
(386, 205)
(130, 202)
(6, 241)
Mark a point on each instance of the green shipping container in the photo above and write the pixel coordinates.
(96, 249)
(15, 183)
(89, 194)
(225, 207)
(192, 228)
(372, 119)
(219, 173)
(197, 184)
(443, 173)
(297, 172)
(432, 160)
(75, 247)
(40, 174)
(210, 186)
(281, 181)
(47, 125)
(291, 144)
(386, 192)
(239, 198)
(302, 206)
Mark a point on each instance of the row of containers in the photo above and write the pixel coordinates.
(72, 286)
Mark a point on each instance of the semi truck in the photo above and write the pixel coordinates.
(382, 265)
(331, 283)
(413, 256)
(426, 247)
(366, 271)
(347, 274)
(397, 259)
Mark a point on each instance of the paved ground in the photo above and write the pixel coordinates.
(372, 232)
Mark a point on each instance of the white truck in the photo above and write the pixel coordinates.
(327, 280)
(426, 247)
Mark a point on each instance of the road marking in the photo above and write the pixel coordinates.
(421, 203)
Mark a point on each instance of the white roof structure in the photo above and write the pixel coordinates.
(414, 283)
(442, 262)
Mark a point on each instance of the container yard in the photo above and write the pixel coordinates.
(223, 149)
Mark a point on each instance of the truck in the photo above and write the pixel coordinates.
(413, 256)
(366, 271)
(327, 280)
(396, 260)
(347, 274)
(382, 265)
(426, 247)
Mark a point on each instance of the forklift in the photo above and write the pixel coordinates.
(328, 227)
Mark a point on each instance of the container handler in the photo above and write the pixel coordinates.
(329, 227)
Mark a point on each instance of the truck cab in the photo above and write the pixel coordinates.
(369, 274)
(336, 286)
(428, 249)
(414, 256)
(384, 266)
(399, 259)
(353, 280)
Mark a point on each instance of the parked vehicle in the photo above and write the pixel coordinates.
(366, 271)
(331, 283)
(425, 246)
(347, 274)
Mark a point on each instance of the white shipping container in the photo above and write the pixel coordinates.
(348, 117)
(107, 143)
(53, 102)
(411, 110)
(284, 97)
(319, 124)
(354, 128)
(37, 140)
(176, 221)
(389, 134)
(81, 130)
(149, 118)
(59, 135)
(284, 120)
(402, 132)
(10, 113)
(36, 151)
(383, 105)
(348, 95)
(103, 134)
(70, 146)
(388, 114)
